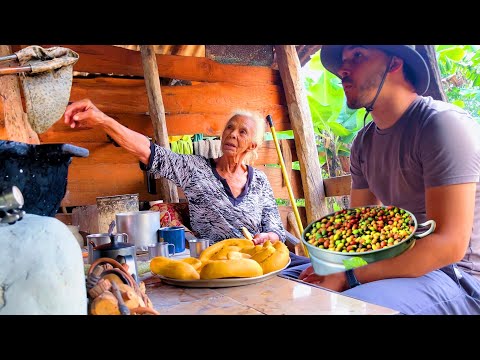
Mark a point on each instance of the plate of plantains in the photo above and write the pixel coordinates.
(221, 282)
(230, 262)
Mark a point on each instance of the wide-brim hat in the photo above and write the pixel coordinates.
(331, 57)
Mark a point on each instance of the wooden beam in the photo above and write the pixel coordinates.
(105, 152)
(14, 124)
(305, 52)
(168, 190)
(113, 95)
(301, 119)
(338, 186)
(108, 59)
(275, 177)
(177, 124)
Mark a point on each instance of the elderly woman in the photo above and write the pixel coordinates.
(224, 194)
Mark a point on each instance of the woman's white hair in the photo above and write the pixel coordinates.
(259, 134)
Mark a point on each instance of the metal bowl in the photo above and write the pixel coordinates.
(327, 261)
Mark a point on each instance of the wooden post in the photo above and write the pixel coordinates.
(301, 119)
(168, 190)
(14, 124)
(435, 89)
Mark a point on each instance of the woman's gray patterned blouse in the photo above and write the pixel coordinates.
(213, 214)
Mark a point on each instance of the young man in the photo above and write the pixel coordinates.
(419, 154)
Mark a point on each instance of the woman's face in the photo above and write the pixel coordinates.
(237, 137)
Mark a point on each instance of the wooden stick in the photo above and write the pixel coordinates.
(15, 70)
(124, 310)
(287, 182)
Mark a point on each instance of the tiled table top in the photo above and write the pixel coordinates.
(275, 296)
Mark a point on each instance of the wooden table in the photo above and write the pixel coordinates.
(275, 296)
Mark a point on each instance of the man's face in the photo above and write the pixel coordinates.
(361, 73)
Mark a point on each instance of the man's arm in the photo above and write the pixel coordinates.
(362, 197)
(452, 208)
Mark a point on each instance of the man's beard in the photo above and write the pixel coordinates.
(365, 93)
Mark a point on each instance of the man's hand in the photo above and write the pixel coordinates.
(83, 114)
(337, 281)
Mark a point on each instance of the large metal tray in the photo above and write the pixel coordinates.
(217, 283)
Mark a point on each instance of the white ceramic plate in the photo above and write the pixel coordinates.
(216, 283)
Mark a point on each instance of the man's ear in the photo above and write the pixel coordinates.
(395, 64)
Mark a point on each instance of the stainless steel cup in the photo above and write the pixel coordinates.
(197, 246)
(159, 249)
(95, 240)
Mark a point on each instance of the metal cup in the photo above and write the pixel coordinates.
(197, 246)
(160, 249)
(95, 240)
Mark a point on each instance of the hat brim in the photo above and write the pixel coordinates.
(331, 57)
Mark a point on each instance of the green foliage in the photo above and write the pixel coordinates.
(460, 72)
(287, 134)
(286, 202)
(332, 120)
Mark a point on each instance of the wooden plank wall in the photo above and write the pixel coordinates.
(203, 107)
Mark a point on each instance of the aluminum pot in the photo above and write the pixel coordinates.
(120, 251)
(141, 227)
(94, 240)
(327, 261)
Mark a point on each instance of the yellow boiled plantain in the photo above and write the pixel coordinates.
(197, 264)
(175, 269)
(231, 269)
(263, 254)
(210, 252)
(222, 254)
(231, 255)
(252, 250)
(280, 246)
(247, 234)
(276, 261)
(272, 257)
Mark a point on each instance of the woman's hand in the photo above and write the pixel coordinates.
(260, 238)
(335, 281)
(83, 114)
